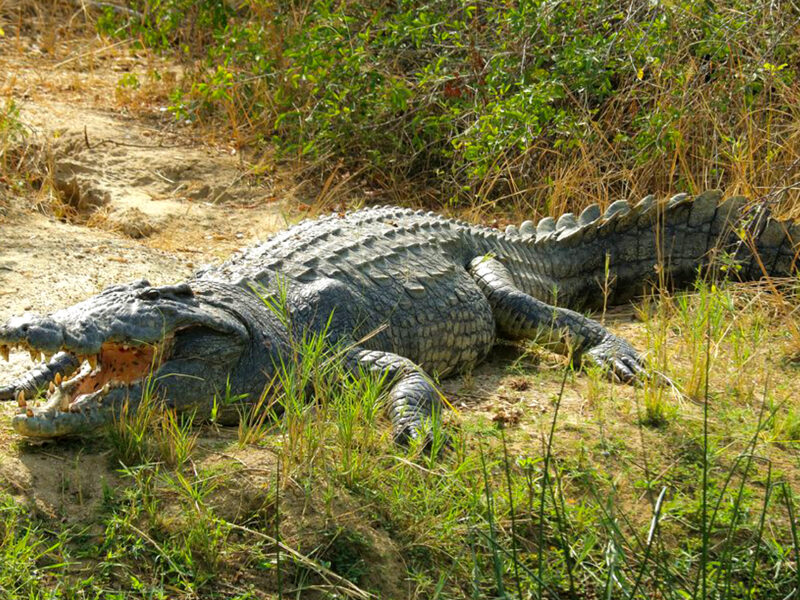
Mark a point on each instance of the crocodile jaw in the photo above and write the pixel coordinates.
(96, 410)
(93, 396)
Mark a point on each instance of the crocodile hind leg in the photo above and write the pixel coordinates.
(519, 315)
(413, 400)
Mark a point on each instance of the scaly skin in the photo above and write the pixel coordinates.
(408, 294)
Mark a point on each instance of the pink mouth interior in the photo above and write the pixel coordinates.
(117, 365)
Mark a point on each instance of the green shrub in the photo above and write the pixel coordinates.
(496, 97)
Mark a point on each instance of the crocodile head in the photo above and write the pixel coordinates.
(184, 344)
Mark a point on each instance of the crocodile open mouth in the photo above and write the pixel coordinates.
(116, 365)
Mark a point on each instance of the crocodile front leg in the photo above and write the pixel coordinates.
(413, 400)
(519, 315)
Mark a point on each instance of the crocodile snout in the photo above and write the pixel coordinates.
(36, 333)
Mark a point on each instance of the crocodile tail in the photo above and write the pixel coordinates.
(617, 254)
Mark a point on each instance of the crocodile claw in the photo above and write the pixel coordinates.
(618, 359)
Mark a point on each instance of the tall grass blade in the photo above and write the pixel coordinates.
(788, 497)
(546, 481)
(760, 536)
(507, 470)
(497, 559)
(651, 535)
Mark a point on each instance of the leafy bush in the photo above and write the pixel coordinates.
(496, 98)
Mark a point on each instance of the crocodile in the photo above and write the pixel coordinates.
(406, 294)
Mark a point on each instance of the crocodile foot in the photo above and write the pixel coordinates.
(621, 361)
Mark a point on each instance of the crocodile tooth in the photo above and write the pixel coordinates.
(28, 413)
(545, 227)
(106, 388)
(589, 214)
(58, 378)
(566, 221)
(92, 360)
(527, 229)
(52, 387)
(512, 231)
(34, 354)
(5, 352)
(21, 399)
(48, 356)
(617, 208)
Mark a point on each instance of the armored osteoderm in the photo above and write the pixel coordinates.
(407, 294)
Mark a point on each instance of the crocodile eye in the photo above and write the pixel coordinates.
(151, 294)
(181, 289)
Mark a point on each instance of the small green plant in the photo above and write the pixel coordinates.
(131, 434)
(15, 159)
(175, 438)
(227, 401)
(703, 313)
(147, 431)
(25, 553)
(355, 407)
(658, 409)
(128, 81)
(255, 419)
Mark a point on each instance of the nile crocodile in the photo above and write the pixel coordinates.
(407, 294)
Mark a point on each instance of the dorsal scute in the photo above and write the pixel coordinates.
(566, 221)
(727, 213)
(622, 215)
(678, 199)
(704, 207)
(773, 234)
(527, 229)
(617, 208)
(589, 215)
(646, 203)
(545, 227)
